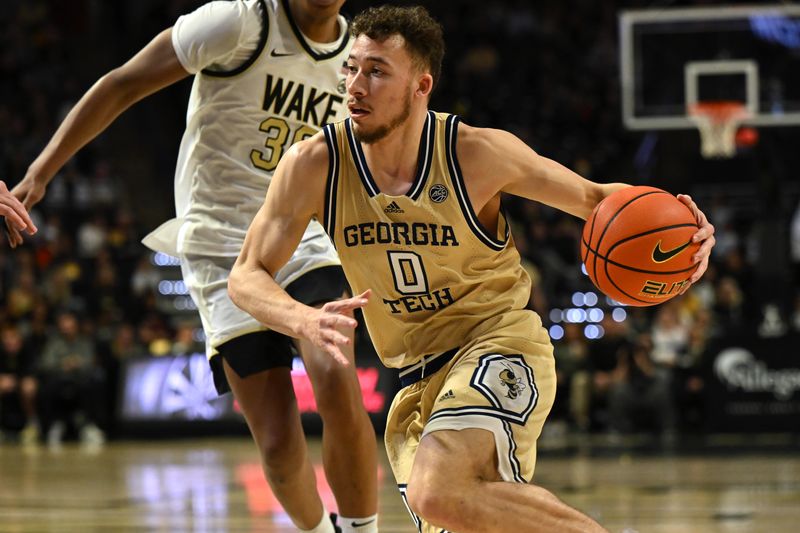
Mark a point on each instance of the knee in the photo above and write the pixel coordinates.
(281, 450)
(338, 393)
(436, 504)
(276, 451)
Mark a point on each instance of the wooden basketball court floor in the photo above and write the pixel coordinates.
(215, 485)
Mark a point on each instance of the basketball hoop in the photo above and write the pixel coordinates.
(718, 122)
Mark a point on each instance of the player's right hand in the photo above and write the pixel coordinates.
(324, 327)
(16, 213)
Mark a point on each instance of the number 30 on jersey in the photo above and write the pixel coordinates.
(277, 130)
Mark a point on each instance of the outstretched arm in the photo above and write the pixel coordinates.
(153, 68)
(519, 170)
(294, 197)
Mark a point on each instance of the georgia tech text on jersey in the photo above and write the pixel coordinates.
(402, 233)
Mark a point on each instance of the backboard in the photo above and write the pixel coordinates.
(674, 58)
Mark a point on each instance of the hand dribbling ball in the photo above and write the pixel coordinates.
(637, 246)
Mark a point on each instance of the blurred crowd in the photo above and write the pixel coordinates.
(81, 297)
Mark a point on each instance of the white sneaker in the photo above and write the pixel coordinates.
(92, 435)
(56, 434)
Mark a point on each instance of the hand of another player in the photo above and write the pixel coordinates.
(704, 235)
(323, 328)
(24, 196)
(16, 215)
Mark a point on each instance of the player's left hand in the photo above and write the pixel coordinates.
(704, 235)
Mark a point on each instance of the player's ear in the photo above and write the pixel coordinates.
(424, 85)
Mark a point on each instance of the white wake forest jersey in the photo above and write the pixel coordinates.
(439, 279)
(241, 122)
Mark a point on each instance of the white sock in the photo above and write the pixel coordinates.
(325, 525)
(367, 524)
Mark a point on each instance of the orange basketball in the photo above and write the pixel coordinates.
(637, 247)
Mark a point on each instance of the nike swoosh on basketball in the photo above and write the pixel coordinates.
(360, 524)
(275, 53)
(660, 256)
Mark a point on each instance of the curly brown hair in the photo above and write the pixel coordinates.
(422, 33)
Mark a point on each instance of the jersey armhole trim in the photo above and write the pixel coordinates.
(262, 42)
(451, 137)
(332, 183)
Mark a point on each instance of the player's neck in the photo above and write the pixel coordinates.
(319, 26)
(393, 159)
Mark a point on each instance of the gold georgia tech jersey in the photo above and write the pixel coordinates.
(439, 279)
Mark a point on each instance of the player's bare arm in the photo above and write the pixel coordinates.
(295, 196)
(495, 161)
(151, 69)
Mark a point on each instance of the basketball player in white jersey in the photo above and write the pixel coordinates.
(411, 200)
(268, 73)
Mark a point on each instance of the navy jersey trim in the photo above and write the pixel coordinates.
(512, 454)
(262, 42)
(451, 135)
(424, 159)
(361, 163)
(402, 487)
(302, 40)
(332, 184)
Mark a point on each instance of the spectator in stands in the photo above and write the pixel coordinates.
(185, 342)
(572, 378)
(670, 338)
(729, 306)
(641, 395)
(604, 365)
(17, 363)
(71, 383)
(689, 382)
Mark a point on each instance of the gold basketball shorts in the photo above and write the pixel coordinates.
(503, 384)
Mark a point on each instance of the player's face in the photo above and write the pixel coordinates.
(380, 81)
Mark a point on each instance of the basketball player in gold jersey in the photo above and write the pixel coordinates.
(411, 199)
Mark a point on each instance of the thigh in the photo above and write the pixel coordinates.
(268, 403)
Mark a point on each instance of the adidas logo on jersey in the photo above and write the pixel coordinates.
(447, 396)
(393, 208)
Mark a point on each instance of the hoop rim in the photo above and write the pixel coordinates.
(718, 110)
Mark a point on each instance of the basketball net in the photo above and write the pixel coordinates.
(718, 122)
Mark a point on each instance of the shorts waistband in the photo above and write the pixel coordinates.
(427, 367)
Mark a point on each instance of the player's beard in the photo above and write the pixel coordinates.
(369, 137)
